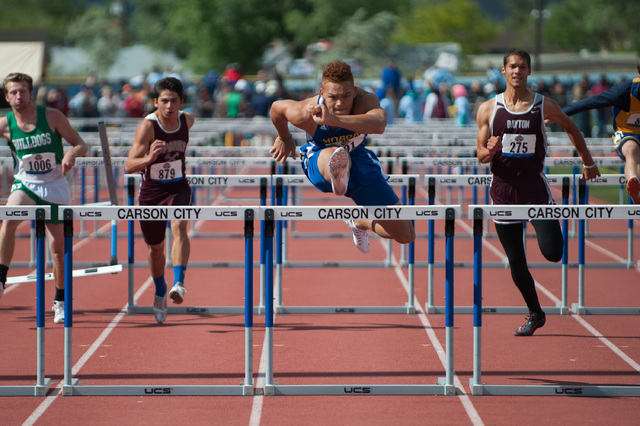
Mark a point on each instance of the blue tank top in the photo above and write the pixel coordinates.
(325, 136)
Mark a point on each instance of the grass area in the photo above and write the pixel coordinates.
(608, 194)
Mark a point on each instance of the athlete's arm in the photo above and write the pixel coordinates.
(553, 112)
(190, 118)
(143, 151)
(282, 113)
(59, 123)
(617, 95)
(368, 116)
(487, 145)
(4, 128)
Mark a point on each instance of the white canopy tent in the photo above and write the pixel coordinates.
(22, 56)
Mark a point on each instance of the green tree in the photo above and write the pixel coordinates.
(363, 39)
(97, 32)
(50, 17)
(311, 20)
(459, 21)
(593, 25)
(210, 33)
(213, 33)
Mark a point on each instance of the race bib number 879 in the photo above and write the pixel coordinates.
(167, 172)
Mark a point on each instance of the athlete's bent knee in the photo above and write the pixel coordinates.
(406, 236)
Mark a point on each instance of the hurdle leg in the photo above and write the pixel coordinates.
(269, 388)
(449, 387)
(248, 384)
(476, 382)
(32, 234)
(42, 383)
(68, 381)
(430, 305)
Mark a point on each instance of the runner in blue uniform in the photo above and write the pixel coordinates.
(35, 134)
(335, 158)
(512, 138)
(158, 152)
(625, 100)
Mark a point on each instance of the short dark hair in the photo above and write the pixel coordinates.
(517, 52)
(18, 77)
(169, 83)
(337, 72)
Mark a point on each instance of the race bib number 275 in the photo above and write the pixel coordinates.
(518, 145)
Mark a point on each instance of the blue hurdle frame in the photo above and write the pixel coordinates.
(38, 214)
(70, 386)
(445, 385)
(476, 385)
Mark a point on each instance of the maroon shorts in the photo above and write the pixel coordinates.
(161, 194)
(531, 189)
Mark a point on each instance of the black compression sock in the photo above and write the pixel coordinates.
(59, 294)
(3, 273)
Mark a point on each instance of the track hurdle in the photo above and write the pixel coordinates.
(526, 212)
(485, 180)
(71, 387)
(270, 215)
(39, 214)
(281, 251)
(253, 181)
(629, 212)
(566, 181)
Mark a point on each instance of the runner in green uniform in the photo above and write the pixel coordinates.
(35, 136)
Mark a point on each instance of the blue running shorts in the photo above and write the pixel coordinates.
(367, 182)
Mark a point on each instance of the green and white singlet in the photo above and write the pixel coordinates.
(37, 158)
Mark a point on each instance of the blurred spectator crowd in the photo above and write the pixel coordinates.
(421, 96)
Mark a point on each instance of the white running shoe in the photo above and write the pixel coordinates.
(339, 168)
(177, 293)
(160, 308)
(58, 311)
(360, 236)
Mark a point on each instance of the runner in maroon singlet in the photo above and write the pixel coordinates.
(158, 152)
(512, 138)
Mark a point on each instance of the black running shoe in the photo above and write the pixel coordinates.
(534, 322)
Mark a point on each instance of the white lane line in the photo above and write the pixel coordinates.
(40, 410)
(591, 329)
(442, 355)
(258, 400)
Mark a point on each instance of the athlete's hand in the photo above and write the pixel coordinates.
(320, 113)
(281, 150)
(68, 161)
(589, 173)
(157, 147)
(494, 144)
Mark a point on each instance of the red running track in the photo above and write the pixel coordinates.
(111, 347)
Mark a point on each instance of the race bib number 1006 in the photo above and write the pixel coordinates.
(39, 163)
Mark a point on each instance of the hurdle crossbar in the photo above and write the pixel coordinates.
(86, 272)
(544, 212)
